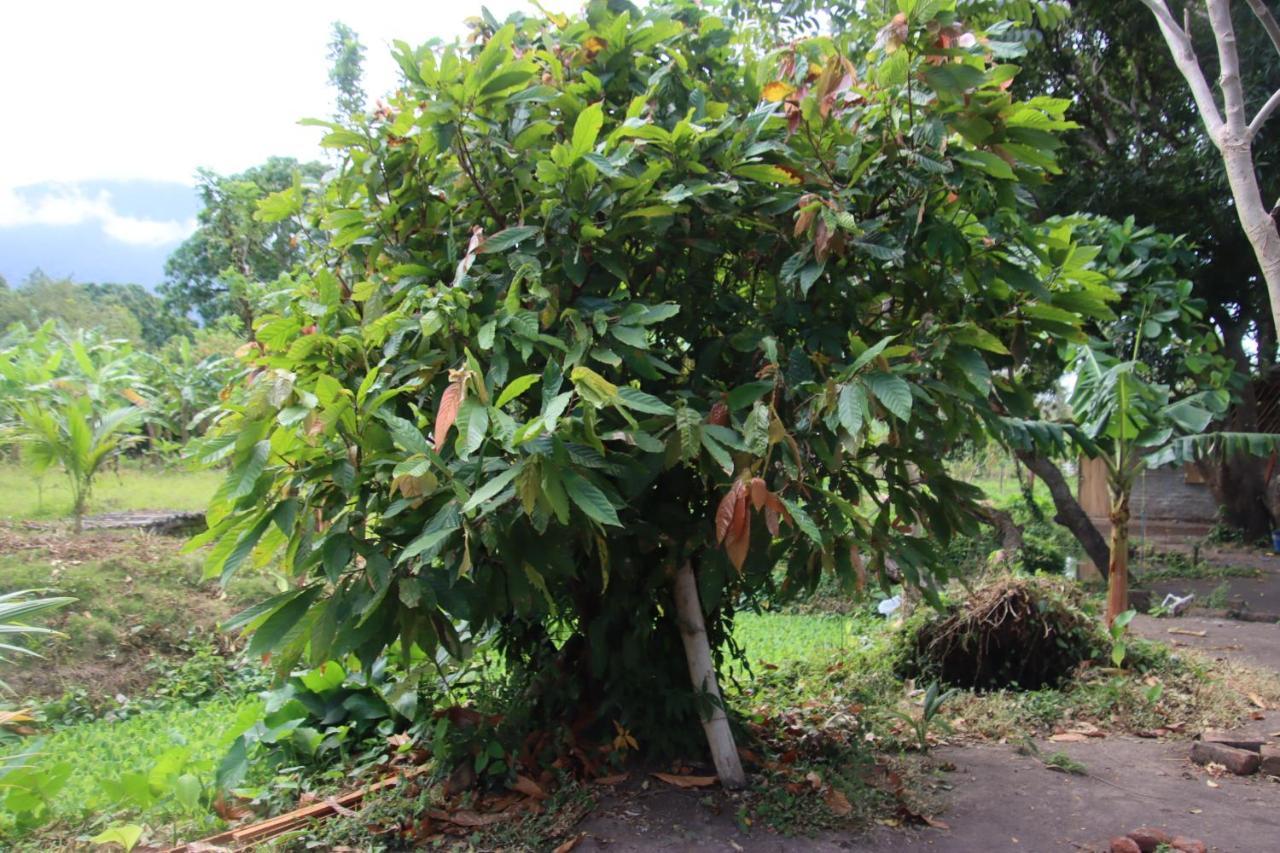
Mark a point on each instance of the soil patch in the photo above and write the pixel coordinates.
(1000, 800)
(1254, 643)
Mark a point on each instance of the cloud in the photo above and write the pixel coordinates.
(66, 205)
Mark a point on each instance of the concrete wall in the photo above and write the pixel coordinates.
(1169, 500)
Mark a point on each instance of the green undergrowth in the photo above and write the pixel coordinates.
(1157, 565)
(125, 771)
(138, 604)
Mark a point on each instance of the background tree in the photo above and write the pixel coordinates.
(214, 270)
(1233, 128)
(1142, 150)
(676, 305)
(346, 61)
(41, 299)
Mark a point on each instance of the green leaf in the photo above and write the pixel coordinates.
(586, 129)
(745, 395)
(126, 835)
(405, 434)
(630, 335)
(273, 631)
(473, 426)
(849, 407)
(593, 502)
(187, 790)
(980, 338)
(507, 238)
(893, 392)
(442, 525)
(491, 489)
(765, 174)
(803, 521)
(987, 162)
(869, 353)
(516, 387)
(639, 401)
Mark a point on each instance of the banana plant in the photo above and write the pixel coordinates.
(1132, 420)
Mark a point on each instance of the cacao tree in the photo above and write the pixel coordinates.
(617, 323)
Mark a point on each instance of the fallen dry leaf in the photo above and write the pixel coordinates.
(1257, 700)
(529, 788)
(571, 843)
(1069, 737)
(612, 780)
(837, 802)
(1187, 632)
(464, 817)
(687, 781)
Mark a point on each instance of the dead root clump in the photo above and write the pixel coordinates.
(1017, 633)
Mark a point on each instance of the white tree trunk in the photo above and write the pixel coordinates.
(702, 671)
(1231, 130)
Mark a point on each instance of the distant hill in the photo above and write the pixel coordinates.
(94, 231)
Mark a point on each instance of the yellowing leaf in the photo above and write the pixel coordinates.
(776, 91)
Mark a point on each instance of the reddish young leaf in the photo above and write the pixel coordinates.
(739, 541)
(724, 515)
(741, 523)
(447, 413)
(771, 521)
(759, 492)
(772, 502)
(719, 415)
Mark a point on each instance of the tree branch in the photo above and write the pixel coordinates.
(1070, 514)
(1263, 114)
(1268, 20)
(1229, 82)
(1184, 56)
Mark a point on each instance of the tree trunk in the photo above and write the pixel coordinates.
(1070, 514)
(702, 671)
(1118, 570)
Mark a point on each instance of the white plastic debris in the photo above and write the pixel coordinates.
(889, 605)
(1176, 604)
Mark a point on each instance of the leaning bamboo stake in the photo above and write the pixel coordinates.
(245, 837)
(697, 650)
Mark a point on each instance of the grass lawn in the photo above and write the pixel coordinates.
(134, 486)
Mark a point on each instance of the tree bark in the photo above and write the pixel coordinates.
(1070, 514)
(702, 671)
(1118, 570)
(1231, 131)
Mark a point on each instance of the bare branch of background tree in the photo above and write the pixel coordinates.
(1230, 130)
(1268, 20)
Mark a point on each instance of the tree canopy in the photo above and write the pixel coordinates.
(215, 271)
(597, 299)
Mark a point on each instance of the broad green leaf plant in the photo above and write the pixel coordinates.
(1127, 416)
(615, 323)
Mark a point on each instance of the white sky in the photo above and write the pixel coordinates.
(137, 89)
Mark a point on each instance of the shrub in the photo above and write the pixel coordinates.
(609, 316)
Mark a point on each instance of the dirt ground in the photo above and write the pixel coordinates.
(1255, 596)
(1001, 800)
